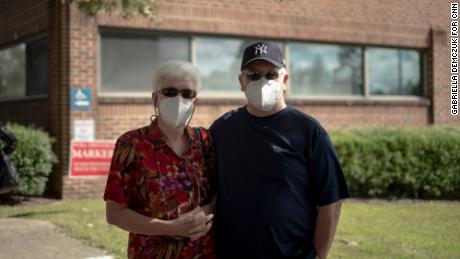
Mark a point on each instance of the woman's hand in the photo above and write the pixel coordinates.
(193, 224)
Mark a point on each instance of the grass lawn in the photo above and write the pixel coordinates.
(367, 229)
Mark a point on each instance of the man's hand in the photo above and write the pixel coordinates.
(326, 224)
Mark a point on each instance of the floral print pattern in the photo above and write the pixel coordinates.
(149, 178)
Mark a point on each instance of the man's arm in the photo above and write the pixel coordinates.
(326, 224)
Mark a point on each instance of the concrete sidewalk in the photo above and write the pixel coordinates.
(26, 238)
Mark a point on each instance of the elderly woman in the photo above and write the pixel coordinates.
(159, 186)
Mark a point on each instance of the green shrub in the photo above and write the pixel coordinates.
(33, 159)
(401, 163)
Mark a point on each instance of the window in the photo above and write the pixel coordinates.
(219, 61)
(13, 72)
(24, 69)
(394, 72)
(37, 67)
(129, 59)
(320, 69)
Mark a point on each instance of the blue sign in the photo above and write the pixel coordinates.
(81, 98)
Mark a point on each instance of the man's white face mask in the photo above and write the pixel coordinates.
(175, 111)
(263, 94)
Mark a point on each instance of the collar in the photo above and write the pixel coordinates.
(154, 135)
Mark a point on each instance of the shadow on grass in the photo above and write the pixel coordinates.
(14, 200)
(6, 199)
(34, 213)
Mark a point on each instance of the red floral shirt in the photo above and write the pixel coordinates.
(149, 178)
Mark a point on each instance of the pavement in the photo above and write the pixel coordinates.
(39, 239)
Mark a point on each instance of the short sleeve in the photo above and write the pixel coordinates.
(117, 181)
(329, 182)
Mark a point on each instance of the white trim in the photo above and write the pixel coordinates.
(424, 70)
(358, 97)
(410, 98)
(365, 71)
(235, 95)
(98, 62)
(146, 94)
(192, 50)
(238, 94)
(286, 57)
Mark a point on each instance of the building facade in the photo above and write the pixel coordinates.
(352, 63)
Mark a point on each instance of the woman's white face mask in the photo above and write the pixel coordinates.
(263, 94)
(175, 111)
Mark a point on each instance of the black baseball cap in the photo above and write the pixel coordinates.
(263, 50)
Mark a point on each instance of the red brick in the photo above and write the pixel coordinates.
(73, 61)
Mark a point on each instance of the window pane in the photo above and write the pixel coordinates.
(219, 61)
(383, 71)
(37, 67)
(394, 72)
(320, 69)
(129, 59)
(13, 72)
(411, 72)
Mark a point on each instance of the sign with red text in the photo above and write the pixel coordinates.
(90, 157)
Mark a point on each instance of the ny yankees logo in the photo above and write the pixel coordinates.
(261, 49)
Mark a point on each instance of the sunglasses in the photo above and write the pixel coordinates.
(171, 92)
(254, 76)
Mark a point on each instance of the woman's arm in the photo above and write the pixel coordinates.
(191, 225)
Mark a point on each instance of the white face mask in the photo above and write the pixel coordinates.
(263, 94)
(175, 111)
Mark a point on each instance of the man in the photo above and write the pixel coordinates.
(279, 181)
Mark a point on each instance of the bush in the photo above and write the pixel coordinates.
(33, 159)
(401, 163)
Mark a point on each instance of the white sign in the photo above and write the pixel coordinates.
(84, 129)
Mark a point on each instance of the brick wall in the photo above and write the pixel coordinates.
(395, 22)
(441, 77)
(25, 112)
(84, 187)
(74, 41)
(58, 90)
(20, 21)
(389, 23)
(82, 53)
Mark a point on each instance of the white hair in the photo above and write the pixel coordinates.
(176, 69)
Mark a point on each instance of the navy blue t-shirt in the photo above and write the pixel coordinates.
(272, 175)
